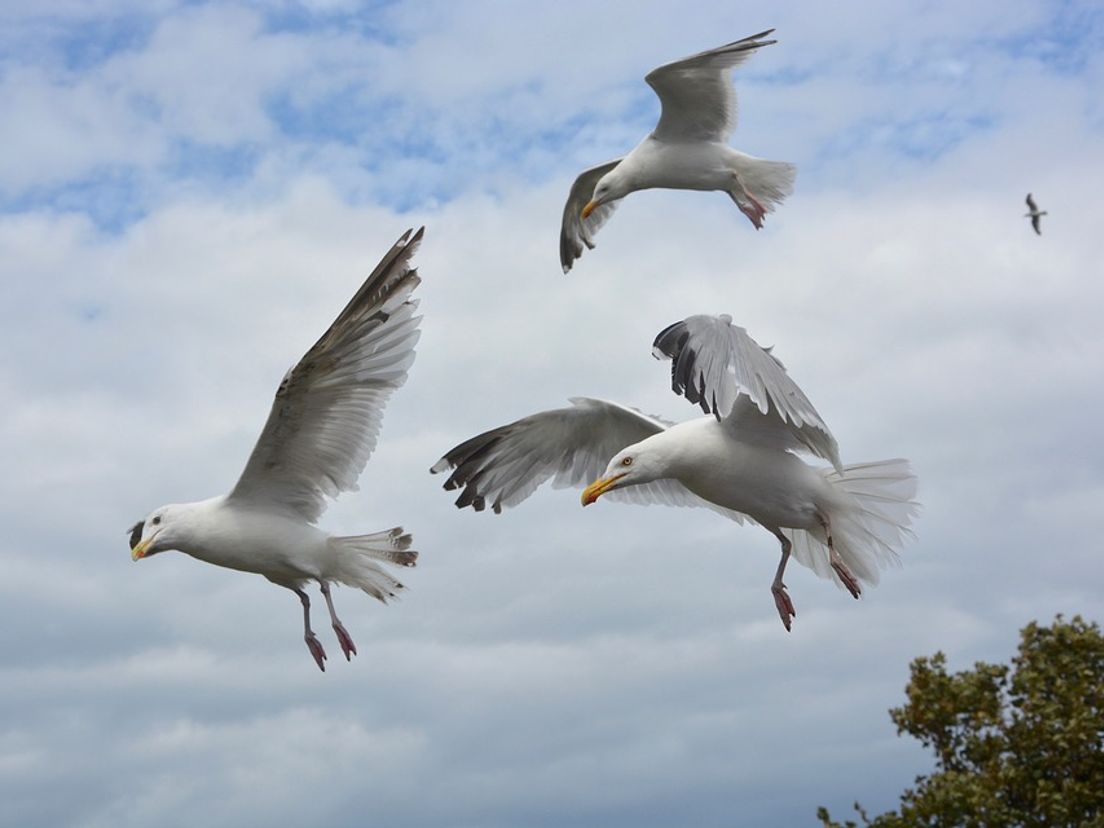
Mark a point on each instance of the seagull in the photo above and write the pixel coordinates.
(322, 429)
(1034, 214)
(843, 522)
(687, 150)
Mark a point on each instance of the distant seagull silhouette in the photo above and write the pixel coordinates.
(1034, 214)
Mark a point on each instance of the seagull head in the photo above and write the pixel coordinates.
(610, 187)
(156, 533)
(637, 464)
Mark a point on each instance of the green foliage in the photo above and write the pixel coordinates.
(1015, 745)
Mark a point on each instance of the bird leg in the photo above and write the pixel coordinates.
(754, 211)
(749, 205)
(849, 580)
(343, 637)
(313, 644)
(782, 600)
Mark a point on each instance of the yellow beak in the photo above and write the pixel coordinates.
(599, 487)
(591, 206)
(140, 550)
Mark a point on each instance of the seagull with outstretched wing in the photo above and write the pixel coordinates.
(844, 522)
(322, 429)
(687, 150)
(1034, 213)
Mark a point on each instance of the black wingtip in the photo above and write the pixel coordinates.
(135, 532)
(751, 40)
(661, 345)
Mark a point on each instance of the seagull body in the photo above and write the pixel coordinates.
(265, 542)
(717, 465)
(685, 166)
(688, 150)
(1034, 214)
(321, 430)
(844, 522)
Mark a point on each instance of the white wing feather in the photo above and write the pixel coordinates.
(720, 367)
(699, 103)
(569, 446)
(326, 417)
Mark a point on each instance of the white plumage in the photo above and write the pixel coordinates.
(323, 427)
(687, 150)
(844, 522)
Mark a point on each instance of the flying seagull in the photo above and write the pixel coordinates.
(687, 150)
(1034, 214)
(322, 429)
(844, 522)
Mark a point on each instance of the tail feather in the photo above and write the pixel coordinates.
(354, 560)
(872, 522)
(771, 182)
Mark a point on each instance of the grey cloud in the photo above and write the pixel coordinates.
(616, 665)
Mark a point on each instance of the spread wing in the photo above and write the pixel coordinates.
(720, 367)
(326, 417)
(1031, 203)
(1035, 224)
(575, 231)
(699, 103)
(571, 446)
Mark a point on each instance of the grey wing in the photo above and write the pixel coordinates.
(575, 231)
(569, 446)
(1031, 203)
(721, 368)
(699, 102)
(328, 410)
(1035, 224)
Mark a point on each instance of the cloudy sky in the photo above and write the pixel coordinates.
(190, 191)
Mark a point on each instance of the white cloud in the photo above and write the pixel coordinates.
(59, 131)
(441, 94)
(615, 665)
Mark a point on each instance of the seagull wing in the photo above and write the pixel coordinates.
(699, 103)
(1035, 223)
(575, 231)
(571, 446)
(1031, 203)
(136, 532)
(326, 417)
(720, 367)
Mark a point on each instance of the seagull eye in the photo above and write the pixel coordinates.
(156, 520)
(627, 461)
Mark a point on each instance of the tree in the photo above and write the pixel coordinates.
(1015, 745)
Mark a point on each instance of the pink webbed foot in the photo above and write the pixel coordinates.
(784, 605)
(345, 640)
(755, 211)
(315, 647)
(849, 580)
